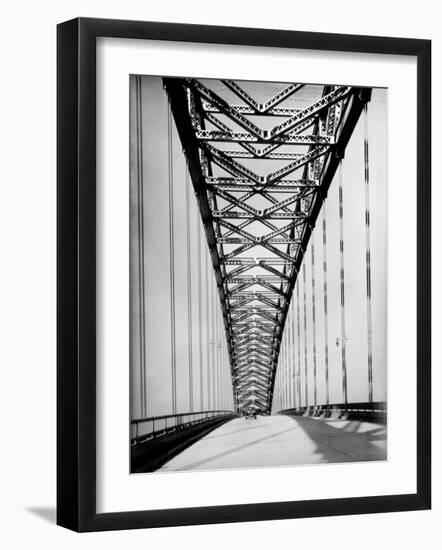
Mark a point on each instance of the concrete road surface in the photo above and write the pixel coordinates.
(281, 441)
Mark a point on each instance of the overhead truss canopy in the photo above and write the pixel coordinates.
(261, 158)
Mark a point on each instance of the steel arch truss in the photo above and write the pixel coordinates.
(260, 170)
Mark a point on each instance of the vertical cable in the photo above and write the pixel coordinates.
(298, 327)
(212, 293)
(207, 331)
(287, 360)
(305, 333)
(219, 356)
(289, 374)
(140, 228)
(221, 364)
(293, 355)
(220, 369)
(189, 294)
(286, 375)
(217, 383)
(368, 258)
(172, 261)
(226, 376)
(342, 281)
(324, 269)
(290, 353)
(224, 371)
(200, 314)
(216, 357)
(281, 391)
(223, 405)
(315, 384)
(283, 376)
(289, 370)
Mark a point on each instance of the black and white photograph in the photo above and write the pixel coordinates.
(258, 274)
(221, 326)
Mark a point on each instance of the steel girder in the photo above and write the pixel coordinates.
(256, 237)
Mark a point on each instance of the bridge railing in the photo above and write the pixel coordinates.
(143, 429)
(374, 411)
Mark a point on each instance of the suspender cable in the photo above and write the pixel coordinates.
(200, 314)
(298, 327)
(219, 385)
(218, 360)
(215, 362)
(280, 379)
(226, 400)
(292, 357)
(172, 262)
(289, 356)
(305, 333)
(140, 228)
(289, 369)
(216, 383)
(315, 384)
(227, 385)
(189, 294)
(289, 363)
(324, 270)
(212, 293)
(223, 378)
(368, 257)
(293, 354)
(285, 375)
(220, 357)
(212, 347)
(342, 287)
(207, 330)
(220, 365)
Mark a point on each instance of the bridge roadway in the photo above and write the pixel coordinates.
(281, 441)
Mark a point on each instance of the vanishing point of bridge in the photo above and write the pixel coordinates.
(258, 274)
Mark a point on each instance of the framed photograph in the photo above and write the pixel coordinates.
(243, 274)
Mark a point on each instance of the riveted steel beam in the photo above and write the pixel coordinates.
(229, 184)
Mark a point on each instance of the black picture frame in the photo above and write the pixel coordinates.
(76, 274)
